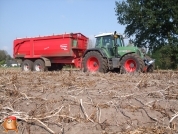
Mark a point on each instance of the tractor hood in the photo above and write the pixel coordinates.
(129, 49)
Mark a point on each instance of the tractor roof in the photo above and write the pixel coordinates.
(105, 34)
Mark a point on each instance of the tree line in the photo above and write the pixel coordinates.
(154, 24)
(4, 57)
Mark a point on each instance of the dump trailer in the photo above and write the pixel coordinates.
(50, 52)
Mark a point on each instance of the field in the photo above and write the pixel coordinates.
(73, 102)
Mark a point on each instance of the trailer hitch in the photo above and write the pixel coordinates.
(148, 65)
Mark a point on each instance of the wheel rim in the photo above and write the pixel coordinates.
(38, 67)
(26, 67)
(130, 65)
(93, 64)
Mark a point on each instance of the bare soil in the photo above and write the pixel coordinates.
(73, 102)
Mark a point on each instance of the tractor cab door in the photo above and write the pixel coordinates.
(120, 42)
(108, 44)
(121, 49)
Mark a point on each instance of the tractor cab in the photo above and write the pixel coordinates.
(107, 39)
(108, 43)
(113, 45)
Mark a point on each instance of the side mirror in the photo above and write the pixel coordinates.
(115, 35)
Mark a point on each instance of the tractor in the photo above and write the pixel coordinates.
(110, 53)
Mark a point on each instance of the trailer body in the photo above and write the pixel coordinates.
(55, 49)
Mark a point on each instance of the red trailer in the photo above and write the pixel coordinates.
(50, 52)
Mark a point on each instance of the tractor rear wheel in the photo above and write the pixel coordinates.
(27, 65)
(93, 62)
(131, 63)
(39, 65)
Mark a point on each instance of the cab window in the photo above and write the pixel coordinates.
(120, 42)
(98, 40)
(107, 41)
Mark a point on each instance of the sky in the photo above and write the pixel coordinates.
(30, 18)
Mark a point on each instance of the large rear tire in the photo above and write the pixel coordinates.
(39, 65)
(27, 65)
(94, 62)
(131, 63)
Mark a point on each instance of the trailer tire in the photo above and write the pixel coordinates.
(93, 62)
(39, 65)
(27, 65)
(131, 63)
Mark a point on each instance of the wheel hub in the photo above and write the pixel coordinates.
(38, 68)
(93, 64)
(26, 67)
(130, 65)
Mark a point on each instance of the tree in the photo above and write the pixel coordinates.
(3, 54)
(167, 57)
(153, 22)
(4, 57)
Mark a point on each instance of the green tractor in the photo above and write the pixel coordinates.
(110, 53)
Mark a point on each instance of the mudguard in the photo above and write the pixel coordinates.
(95, 49)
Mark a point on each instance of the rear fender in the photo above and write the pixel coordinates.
(95, 49)
(125, 55)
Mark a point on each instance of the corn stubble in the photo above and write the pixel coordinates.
(75, 102)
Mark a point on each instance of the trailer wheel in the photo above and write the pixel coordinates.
(39, 65)
(131, 63)
(93, 62)
(27, 65)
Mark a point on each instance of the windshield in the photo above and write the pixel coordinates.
(107, 41)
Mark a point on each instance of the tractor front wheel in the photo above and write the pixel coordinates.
(93, 62)
(131, 63)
